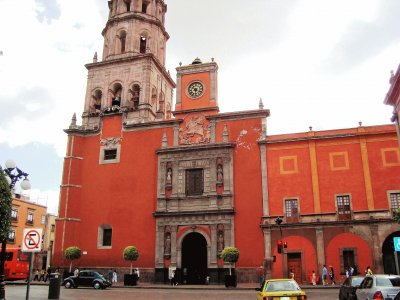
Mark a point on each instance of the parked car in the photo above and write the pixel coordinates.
(283, 289)
(378, 287)
(397, 296)
(87, 278)
(348, 288)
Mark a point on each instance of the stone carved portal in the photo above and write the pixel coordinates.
(194, 259)
(194, 130)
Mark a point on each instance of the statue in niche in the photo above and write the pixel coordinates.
(167, 244)
(116, 100)
(220, 242)
(220, 173)
(95, 106)
(168, 180)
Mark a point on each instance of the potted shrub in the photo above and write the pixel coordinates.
(72, 253)
(230, 255)
(131, 254)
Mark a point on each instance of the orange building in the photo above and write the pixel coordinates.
(181, 185)
(27, 214)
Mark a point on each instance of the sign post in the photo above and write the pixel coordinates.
(396, 243)
(31, 243)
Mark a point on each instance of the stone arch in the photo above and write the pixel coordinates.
(144, 41)
(161, 102)
(115, 93)
(96, 99)
(153, 96)
(134, 95)
(121, 41)
(344, 245)
(388, 251)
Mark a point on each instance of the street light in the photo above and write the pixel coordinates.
(11, 174)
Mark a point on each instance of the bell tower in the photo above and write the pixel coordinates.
(131, 78)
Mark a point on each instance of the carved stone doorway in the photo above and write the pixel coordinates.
(194, 259)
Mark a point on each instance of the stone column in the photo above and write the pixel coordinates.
(267, 253)
(319, 232)
(264, 179)
(160, 247)
(376, 253)
(213, 252)
(174, 251)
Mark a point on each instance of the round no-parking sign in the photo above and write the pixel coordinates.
(32, 240)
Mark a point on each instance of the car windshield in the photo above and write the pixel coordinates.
(388, 281)
(288, 285)
(356, 281)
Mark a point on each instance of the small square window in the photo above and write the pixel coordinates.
(110, 154)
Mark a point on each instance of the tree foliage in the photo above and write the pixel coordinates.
(72, 253)
(397, 215)
(5, 207)
(230, 254)
(131, 253)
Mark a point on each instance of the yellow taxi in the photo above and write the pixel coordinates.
(280, 289)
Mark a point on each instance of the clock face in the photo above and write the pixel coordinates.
(195, 89)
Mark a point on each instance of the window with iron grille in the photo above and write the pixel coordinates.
(14, 214)
(194, 182)
(11, 236)
(292, 209)
(343, 207)
(110, 154)
(394, 201)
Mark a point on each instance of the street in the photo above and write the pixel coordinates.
(40, 292)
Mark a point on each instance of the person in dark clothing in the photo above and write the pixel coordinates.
(332, 275)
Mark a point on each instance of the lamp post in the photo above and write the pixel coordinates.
(8, 178)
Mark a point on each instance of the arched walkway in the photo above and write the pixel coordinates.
(388, 256)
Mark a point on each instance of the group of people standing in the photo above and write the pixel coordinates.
(42, 274)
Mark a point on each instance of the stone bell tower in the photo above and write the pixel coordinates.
(131, 79)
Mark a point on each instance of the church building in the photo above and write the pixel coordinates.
(180, 180)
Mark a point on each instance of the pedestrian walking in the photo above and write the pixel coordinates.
(76, 272)
(42, 273)
(313, 278)
(37, 273)
(291, 274)
(115, 277)
(48, 272)
(324, 275)
(110, 274)
(332, 275)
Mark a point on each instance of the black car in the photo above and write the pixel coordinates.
(348, 288)
(87, 278)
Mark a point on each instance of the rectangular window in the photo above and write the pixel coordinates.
(53, 227)
(292, 210)
(394, 201)
(43, 220)
(11, 236)
(29, 218)
(110, 154)
(343, 207)
(194, 182)
(14, 214)
(107, 236)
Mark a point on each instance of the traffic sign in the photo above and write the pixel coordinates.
(396, 242)
(32, 240)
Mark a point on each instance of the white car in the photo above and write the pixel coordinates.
(378, 287)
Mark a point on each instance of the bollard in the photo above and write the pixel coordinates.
(54, 286)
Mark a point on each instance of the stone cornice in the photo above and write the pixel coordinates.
(149, 56)
(137, 16)
(196, 147)
(161, 214)
(260, 113)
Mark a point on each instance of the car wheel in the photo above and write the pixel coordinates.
(68, 284)
(97, 285)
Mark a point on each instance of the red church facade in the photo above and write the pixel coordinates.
(182, 184)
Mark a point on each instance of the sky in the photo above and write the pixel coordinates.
(324, 64)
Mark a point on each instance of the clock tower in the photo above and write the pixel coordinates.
(197, 88)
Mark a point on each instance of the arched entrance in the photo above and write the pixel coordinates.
(194, 259)
(388, 256)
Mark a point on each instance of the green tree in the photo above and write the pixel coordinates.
(5, 207)
(397, 215)
(131, 253)
(230, 255)
(72, 253)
